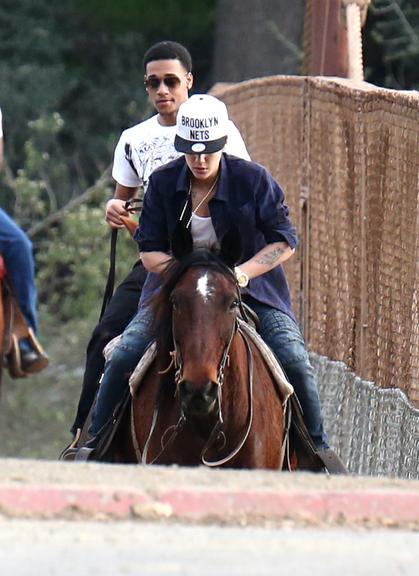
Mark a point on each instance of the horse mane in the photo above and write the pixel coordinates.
(161, 305)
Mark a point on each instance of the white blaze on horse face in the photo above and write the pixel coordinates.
(203, 288)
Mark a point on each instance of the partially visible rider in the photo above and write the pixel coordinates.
(16, 250)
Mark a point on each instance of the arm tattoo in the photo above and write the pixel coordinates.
(271, 257)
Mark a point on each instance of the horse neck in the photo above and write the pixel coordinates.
(235, 390)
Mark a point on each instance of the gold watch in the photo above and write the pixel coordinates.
(242, 277)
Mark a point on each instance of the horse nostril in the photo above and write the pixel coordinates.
(186, 388)
(198, 399)
(208, 388)
(191, 389)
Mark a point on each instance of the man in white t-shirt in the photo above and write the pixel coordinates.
(140, 150)
(148, 145)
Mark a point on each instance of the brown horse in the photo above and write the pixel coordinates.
(209, 396)
(217, 402)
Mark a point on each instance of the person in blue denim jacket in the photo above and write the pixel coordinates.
(208, 189)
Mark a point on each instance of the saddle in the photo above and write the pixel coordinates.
(13, 329)
(299, 440)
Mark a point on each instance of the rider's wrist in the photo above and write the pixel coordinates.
(241, 277)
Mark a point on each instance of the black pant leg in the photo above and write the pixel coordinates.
(119, 312)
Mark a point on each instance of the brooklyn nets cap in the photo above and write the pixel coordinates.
(202, 125)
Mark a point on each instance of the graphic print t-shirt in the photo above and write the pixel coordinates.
(140, 150)
(148, 145)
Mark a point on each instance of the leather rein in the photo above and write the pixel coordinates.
(132, 206)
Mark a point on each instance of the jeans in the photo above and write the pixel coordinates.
(126, 355)
(284, 337)
(279, 331)
(121, 309)
(16, 249)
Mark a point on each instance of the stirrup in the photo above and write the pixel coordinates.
(82, 454)
(69, 451)
(68, 454)
(14, 358)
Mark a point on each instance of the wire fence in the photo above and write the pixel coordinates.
(347, 156)
(374, 430)
(348, 159)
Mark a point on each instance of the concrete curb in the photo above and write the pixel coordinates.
(190, 504)
(100, 492)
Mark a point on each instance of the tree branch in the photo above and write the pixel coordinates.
(103, 181)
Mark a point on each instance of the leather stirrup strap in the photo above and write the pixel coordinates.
(332, 462)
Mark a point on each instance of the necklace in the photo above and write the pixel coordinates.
(207, 194)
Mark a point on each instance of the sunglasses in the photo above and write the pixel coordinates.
(169, 81)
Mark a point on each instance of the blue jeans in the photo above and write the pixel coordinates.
(16, 249)
(284, 337)
(278, 330)
(119, 312)
(125, 357)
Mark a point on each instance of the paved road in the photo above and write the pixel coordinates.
(62, 548)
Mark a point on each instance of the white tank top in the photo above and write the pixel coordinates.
(203, 232)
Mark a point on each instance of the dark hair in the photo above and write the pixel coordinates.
(168, 50)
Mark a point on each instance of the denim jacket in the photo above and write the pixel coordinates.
(247, 195)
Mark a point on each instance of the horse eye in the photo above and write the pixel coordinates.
(234, 304)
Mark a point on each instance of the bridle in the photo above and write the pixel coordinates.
(217, 432)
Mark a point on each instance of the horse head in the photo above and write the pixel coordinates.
(203, 302)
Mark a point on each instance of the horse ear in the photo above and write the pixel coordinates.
(231, 247)
(181, 241)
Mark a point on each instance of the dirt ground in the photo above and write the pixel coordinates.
(149, 477)
(36, 413)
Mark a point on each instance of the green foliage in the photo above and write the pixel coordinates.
(52, 62)
(191, 22)
(393, 44)
(82, 60)
(41, 174)
(72, 255)
(184, 20)
(70, 81)
(74, 260)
